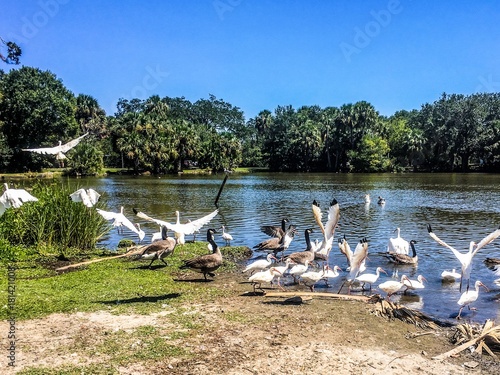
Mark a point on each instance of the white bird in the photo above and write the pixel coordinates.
(470, 296)
(357, 263)
(260, 264)
(310, 278)
(331, 273)
(88, 197)
(369, 278)
(119, 221)
(298, 269)
(398, 245)
(279, 271)
(226, 236)
(328, 229)
(367, 199)
(450, 276)
(345, 249)
(59, 150)
(393, 286)
(466, 259)
(262, 277)
(157, 236)
(14, 198)
(180, 230)
(415, 284)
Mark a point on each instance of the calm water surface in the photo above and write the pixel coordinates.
(460, 207)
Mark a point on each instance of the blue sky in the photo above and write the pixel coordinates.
(258, 54)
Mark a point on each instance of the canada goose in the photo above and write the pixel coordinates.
(159, 249)
(180, 230)
(276, 244)
(119, 221)
(381, 201)
(302, 256)
(404, 258)
(466, 259)
(275, 231)
(398, 245)
(14, 198)
(88, 197)
(470, 296)
(59, 150)
(208, 263)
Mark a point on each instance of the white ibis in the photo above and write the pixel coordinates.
(265, 276)
(180, 230)
(393, 286)
(14, 198)
(260, 264)
(88, 197)
(310, 278)
(470, 296)
(298, 269)
(119, 221)
(369, 278)
(415, 284)
(466, 258)
(59, 150)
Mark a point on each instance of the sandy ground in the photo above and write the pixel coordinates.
(265, 336)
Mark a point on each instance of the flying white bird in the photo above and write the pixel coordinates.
(88, 197)
(59, 150)
(120, 220)
(180, 230)
(14, 198)
(466, 259)
(328, 229)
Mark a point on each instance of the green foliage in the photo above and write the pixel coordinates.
(54, 221)
(86, 159)
(372, 155)
(14, 52)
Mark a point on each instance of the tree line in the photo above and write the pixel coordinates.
(166, 135)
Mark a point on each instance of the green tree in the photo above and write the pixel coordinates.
(372, 155)
(37, 111)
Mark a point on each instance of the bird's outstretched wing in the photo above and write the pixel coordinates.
(192, 226)
(68, 146)
(333, 218)
(142, 215)
(486, 240)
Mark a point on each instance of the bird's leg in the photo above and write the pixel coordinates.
(163, 260)
(280, 286)
(151, 263)
(341, 287)
(460, 312)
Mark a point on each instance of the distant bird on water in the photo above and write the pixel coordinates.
(206, 264)
(59, 150)
(14, 198)
(381, 201)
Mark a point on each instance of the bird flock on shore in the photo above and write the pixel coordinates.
(307, 267)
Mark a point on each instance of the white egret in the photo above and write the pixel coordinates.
(119, 221)
(226, 236)
(59, 150)
(88, 197)
(14, 198)
(466, 258)
(328, 230)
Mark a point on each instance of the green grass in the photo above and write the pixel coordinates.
(121, 285)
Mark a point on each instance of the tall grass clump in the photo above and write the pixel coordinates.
(55, 221)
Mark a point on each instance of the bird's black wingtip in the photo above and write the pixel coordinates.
(315, 203)
(135, 210)
(429, 228)
(333, 202)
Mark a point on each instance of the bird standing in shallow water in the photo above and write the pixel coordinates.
(398, 245)
(393, 286)
(369, 278)
(404, 258)
(208, 263)
(226, 236)
(470, 296)
(414, 284)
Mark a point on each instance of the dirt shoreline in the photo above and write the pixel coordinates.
(244, 333)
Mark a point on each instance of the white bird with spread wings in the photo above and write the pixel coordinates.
(59, 150)
(180, 230)
(14, 198)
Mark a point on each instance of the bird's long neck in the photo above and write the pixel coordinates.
(283, 225)
(308, 242)
(414, 252)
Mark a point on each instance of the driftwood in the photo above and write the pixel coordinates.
(318, 294)
(133, 252)
(489, 333)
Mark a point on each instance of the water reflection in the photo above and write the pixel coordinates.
(459, 207)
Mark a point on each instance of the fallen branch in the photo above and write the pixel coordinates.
(128, 254)
(318, 294)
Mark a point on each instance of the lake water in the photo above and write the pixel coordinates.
(460, 207)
